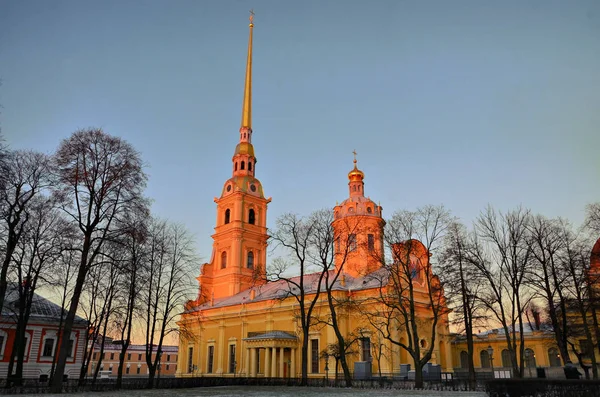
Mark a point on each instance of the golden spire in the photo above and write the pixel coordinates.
(247, 104)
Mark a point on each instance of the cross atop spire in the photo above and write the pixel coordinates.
(354, 152)
(251, 16)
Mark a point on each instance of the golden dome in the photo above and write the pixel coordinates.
(356, 174)
(244, 148)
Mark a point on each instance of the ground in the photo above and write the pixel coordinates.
(265, 391)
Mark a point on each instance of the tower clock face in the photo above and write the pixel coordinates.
(253, 187)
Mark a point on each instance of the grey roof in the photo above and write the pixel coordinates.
(281, 289)
(41, 308)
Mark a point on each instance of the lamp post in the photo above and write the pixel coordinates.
(490, 351)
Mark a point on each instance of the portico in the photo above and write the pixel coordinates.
(278, 356)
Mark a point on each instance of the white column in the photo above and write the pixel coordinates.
(281, 362)
(293, 358)
(274, 362)
(267, 362)
(253, 362)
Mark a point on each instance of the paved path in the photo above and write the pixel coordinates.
(266, 391)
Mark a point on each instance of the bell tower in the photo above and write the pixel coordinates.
(239, 252)
(358, 229)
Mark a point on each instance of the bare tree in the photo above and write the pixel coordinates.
(94, 306)
(295, 235)
(548, 277)
(133, 243)
(324, 239)
(576, 263)
(100, 179)
(171, 260)
(462, 286)
(502, 254)
(408, 287)
(26, 175)
(592, 219)
(109, 271)
(44, 237)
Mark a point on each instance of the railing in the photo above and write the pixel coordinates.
(495, 387)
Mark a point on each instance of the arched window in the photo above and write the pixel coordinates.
(352, 242)
(554, 357)
(529, 358)
(250, 261)
(235, 167)
(464, 359)
(249, 166)
(485, 359)
(227, 215)
(251, 217)
(506, 358)
(242, 166)
(223, 260)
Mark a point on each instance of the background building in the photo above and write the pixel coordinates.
(41, 337)
(135, 361)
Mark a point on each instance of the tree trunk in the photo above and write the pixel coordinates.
(57, 380)
(418, 374)
(11, 244)
(304, 380)
(151, 375)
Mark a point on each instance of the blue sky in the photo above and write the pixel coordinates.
(462, 103)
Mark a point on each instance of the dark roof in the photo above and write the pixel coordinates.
(41, 308)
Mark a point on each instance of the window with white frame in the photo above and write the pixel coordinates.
(48, 344)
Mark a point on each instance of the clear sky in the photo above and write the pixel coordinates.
(457, 102)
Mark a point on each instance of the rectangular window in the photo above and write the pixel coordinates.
(365, 344)
(104, 356)
(352, 242)
(128, 356)
(138, 370)
(167, 367)
(95, 355)
(139, 357)
(168, 357)
(48, 347)
(70, 344)
(112, 356)
(314, 356)
(190, 360)
(232, 362)
(371, 242)
(127, 370)
(211, 356)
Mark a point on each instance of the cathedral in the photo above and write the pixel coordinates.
(240, 325)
